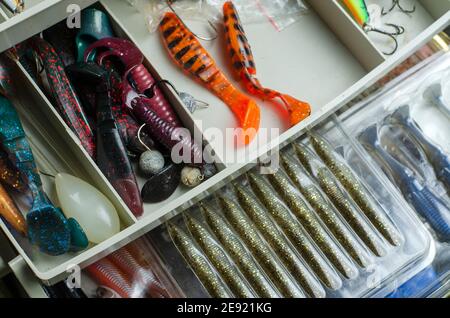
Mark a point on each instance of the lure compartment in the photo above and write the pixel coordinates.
(442, 289)
(59, 138)
(182, 112)
(414, 23)
(54, 153)
(282, 65)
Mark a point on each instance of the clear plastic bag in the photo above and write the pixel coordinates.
(280, 13)
(154, 10)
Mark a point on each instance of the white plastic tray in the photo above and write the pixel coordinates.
(325, 64)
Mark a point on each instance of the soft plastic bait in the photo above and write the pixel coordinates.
(244, 66)
(193, 58)
(67, 101)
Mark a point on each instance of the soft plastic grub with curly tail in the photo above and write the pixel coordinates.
(136, 74)
(244, 66)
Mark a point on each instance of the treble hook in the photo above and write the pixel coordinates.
(396, 3)
(399, 30)
(169, 4)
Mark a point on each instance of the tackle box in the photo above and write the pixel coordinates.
(324, 58)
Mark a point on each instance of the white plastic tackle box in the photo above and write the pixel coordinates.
(324, 58)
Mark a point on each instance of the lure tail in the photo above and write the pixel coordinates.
(245, 69)
(193, 58)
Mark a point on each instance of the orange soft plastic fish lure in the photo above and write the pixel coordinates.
(190, 55)
(10, 213)
(244, 66)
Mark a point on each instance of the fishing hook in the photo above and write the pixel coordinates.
(396, 3)
(169, 4)
(399, 30)
(139, 137)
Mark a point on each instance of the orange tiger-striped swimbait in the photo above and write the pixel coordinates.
(244, 66)
(189, 54)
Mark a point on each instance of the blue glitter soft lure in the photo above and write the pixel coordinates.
(424, 201)
(436, 155)
(47, 226)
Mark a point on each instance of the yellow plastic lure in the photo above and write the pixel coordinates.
(358, 9)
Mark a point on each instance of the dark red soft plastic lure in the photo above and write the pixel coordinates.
(67, 101)
(140, 77)
(112, 158)
(163, 131)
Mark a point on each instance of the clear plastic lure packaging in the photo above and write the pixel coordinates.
(134, 271)
(280, 13)
(340, 254)
(401, 134)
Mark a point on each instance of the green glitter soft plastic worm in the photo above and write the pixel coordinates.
(325, 211)
(219, 259)
(349, 212)
(294, 232)
(242, 258)
(356, 190)
(260, 250)
(197, 261)
(309, 221)
(279, 244)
